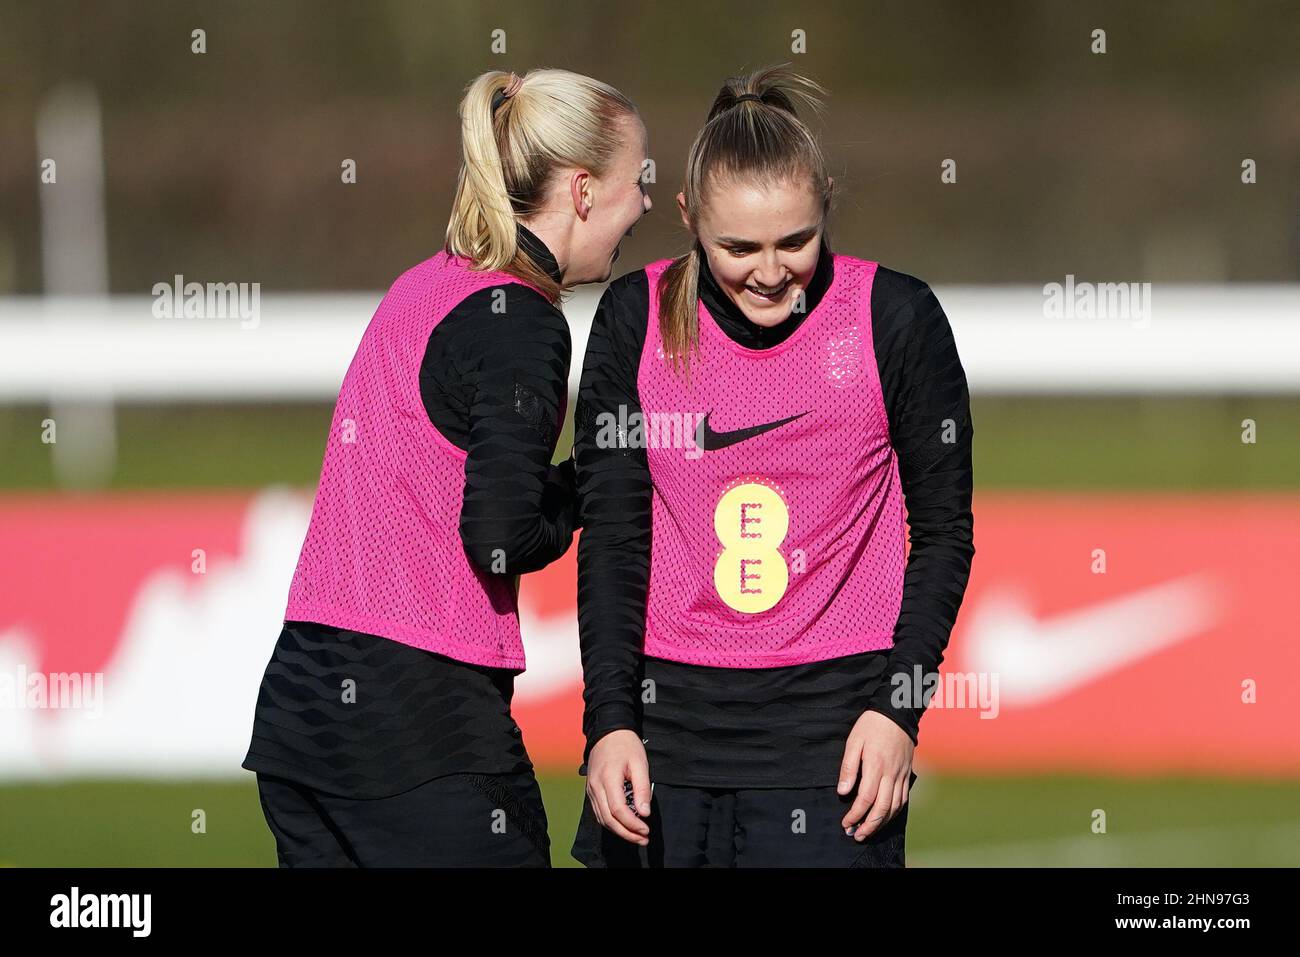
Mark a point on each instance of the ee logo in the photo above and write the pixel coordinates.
(751, 521)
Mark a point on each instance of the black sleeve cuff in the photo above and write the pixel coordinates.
(909, 719)
(607, 718)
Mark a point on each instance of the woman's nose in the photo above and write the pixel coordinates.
(769, 271)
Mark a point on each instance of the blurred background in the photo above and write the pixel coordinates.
(1104, 196)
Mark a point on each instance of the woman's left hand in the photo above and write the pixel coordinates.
(882, 751)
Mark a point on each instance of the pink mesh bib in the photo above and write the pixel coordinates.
(777, 514)
(383, 552)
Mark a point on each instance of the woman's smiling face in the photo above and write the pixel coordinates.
(762, 242)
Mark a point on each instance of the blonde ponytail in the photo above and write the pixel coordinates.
(514, 134)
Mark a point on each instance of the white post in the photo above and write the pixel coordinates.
(74, 257)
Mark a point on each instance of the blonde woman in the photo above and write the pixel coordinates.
(383, 733)
(751, 628)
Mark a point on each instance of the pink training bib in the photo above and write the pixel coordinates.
(383, 552)
(777, 515)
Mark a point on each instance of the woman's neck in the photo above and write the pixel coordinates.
(554, 233)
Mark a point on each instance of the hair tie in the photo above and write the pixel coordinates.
(748, 96)
(511, 88)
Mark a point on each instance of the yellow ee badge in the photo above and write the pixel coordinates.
(751, 521)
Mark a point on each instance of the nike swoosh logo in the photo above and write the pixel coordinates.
(711, 441)
(1040, 659)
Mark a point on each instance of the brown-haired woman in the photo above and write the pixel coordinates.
(752, 417)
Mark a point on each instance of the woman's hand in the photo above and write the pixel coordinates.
(882, 751)
(617, 757)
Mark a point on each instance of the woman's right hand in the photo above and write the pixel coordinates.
(617, 757)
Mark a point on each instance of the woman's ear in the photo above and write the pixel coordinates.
(580, 193)
(681, 205)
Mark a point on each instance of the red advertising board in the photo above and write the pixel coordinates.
(1124, 633)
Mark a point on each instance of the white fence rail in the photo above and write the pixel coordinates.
(1213, 338)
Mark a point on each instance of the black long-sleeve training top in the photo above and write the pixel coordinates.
(495, 384)
(775, 727)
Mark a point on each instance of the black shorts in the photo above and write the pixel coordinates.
(747, 827)
(457, 820)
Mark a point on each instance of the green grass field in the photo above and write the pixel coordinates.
(954, 822)
(1020, 443)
